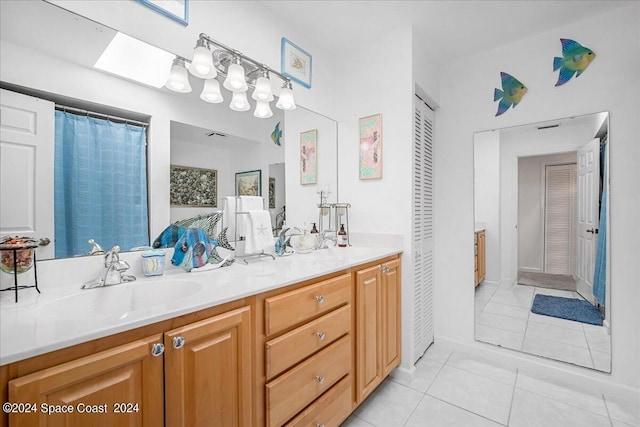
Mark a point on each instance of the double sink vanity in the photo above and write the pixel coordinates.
(299, 341)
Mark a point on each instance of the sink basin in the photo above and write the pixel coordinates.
(116, 302)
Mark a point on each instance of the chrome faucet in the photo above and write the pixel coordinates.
(324, 238)
(113, 273)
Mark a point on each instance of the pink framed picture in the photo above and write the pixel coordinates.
(371, 147)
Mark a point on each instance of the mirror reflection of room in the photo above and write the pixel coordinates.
(541, 196)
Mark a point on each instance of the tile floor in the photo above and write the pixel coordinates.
(503, 317)
(457, 389)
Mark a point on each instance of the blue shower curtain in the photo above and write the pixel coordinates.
(100, 184)
(600, 274)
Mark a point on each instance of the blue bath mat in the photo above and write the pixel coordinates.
(566, 308)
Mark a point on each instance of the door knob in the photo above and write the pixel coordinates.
(157, 349)
(44, 241)
(593, 230)
(178, 342)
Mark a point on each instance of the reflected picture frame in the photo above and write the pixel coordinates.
(370, 166)
(249, 183)
(295, 63)
(193, 187)
(309, 157)
(178, 10)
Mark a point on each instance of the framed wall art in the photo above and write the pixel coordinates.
(309, 157)
(193, 187)
(371, 147)
(272, 192)
(249, 183)
(295, 63)
(178, 10)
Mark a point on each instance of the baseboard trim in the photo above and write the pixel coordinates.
(545, 368)
(404, 375)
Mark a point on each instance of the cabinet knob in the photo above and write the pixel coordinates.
(178, 342)
(320, 299)
(319, 425)
(320, 335)
(320, 379)
(157, 349)
(385, 269)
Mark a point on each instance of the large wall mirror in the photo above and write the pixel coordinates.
(50, 54)
(542, 239)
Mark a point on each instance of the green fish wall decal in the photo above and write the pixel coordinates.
(575, 59)
(511, 93)
(276, 134)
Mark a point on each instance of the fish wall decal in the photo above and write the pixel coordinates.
(276, 134)
(575, 59)
(511, 94)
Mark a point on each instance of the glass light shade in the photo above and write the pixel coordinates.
(262, 91)
(236, 80)
(202, 63)
(286, 101)
(263, 110)
(211, 92)
(178, 78)
(239, 102)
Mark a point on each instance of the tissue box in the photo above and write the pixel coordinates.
(153, 262)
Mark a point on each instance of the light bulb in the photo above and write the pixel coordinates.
(235, 81)
(239, 102)
(262, 91)
(263, 110)
(178, 78)
(286, 101)
(211, 92)
(202, 62)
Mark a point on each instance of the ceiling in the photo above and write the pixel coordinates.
(449, 29)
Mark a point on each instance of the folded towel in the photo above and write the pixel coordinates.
(257, 231)
(250, 203)
(229, 216)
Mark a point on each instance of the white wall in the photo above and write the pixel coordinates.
(531, 207)
(611, 83)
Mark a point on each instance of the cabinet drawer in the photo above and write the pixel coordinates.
(292, 347)
(288, 394)
(294, 307)
(330, 410)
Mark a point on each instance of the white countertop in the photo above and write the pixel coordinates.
(66, 315)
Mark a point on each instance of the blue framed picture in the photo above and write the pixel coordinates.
(295, 63)
(178, 10)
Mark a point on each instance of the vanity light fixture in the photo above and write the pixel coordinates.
(179, 78)
(263, 111)
(286, 101)
(202, 62)
(239, 102)
(211, 92)
(212, 58)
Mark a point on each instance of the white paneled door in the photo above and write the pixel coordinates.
(588, 216)
(422, 240)
(26, 172)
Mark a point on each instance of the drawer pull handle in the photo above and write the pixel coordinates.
(320, 299)
(320, 379)
(319, 425)
(178, 342)
(320, 335)
(157, 349)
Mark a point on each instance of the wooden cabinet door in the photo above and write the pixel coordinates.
(208, 368)
(391, 332)
(482, 266)
(368, 331)
(117, 387)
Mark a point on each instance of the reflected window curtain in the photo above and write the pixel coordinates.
(100, 184)
(600, 275)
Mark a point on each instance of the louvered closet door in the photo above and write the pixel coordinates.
(422, 227)
(560, 218)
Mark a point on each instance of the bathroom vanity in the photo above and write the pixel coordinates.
(298, 341)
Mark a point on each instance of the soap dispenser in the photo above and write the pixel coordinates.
(342, 237)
